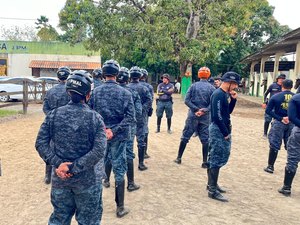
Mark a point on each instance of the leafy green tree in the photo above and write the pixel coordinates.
(46, 32)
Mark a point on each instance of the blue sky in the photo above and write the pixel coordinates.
(286, 11)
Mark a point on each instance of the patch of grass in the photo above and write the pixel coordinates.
(5, 112)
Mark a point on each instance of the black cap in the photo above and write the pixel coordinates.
(231, 77)
(281, 76)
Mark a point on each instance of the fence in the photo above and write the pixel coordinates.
(33, 91)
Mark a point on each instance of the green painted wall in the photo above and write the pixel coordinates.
(55, 48)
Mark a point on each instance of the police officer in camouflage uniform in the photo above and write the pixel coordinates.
(165, 102)
(72, 139)
(281, 127)
(220, 131)
(198, 100)
(97, 77)
(143, 80)
(272, 90)
(115, 105)
(293, 146)
(55, 97)
(135, 74)
(123, 79)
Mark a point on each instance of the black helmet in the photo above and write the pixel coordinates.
(135, 72)
(211, 81)
(111, 68)
(231, 77)
(80, 82)
(144, 73)
(281, 76)
(63, 72)
(123, 75)
(97, 73)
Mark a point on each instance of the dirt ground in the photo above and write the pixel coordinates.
(170, 193)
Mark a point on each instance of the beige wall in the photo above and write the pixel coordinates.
(18, 64)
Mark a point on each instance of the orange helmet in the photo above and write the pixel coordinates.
(204, 72)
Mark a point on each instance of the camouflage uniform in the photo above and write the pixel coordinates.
(97, 82)
(115, 105)
(146, 103)
(74, 133)
(55, 97)
(138, 113)
(150, 88)
(197, 97)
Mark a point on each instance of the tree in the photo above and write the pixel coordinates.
(264, 29)
(16, 33)
(148, 32)
(46, 32)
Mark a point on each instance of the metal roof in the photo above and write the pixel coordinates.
(56, 64)
(286, 43)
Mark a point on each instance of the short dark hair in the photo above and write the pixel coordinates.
(287, 84)
(75, 97)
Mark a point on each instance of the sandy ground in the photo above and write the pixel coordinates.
(170, 193)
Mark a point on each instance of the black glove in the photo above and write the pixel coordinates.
(150, 112)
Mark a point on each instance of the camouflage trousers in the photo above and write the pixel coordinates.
(116, 155)
(86, 204)
(293, 150)
(268, 118)
(129, 144)
(219, 147)
(141, 128)
(196, 124)
(278, 132)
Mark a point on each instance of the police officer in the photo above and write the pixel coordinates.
(217, 82)
(273, 89)
(143, 80)
(115, 105)
(97, 77)
(135, 74)
(122, 79)
(73, 140)
(165, 102)
(55, 97)
(281, 127)
(293, 146)
(198, 100)
(220, 131)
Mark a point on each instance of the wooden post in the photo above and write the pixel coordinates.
(297, 63)
(43, 90)
(25, 96)
(276, 64)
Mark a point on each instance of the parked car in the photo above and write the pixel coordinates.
(6, 88)
(16, 85)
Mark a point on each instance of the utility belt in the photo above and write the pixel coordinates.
(165, 100)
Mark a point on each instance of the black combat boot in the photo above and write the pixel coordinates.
(204, 155)
(141, 154)
(181, 149)
(48, 172)
(169, 122)
(130, 177)
(287, 183)
(108, 167)
(158, 125)
(208, 181)
(266, 128)
(272, 158)
(213, 181)
(146, 156)
(119, 198)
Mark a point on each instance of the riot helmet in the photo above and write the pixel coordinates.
(135, 72)
(123, 75)
(97, 73)
(63, 72)
(110, 68)
(79, 82)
